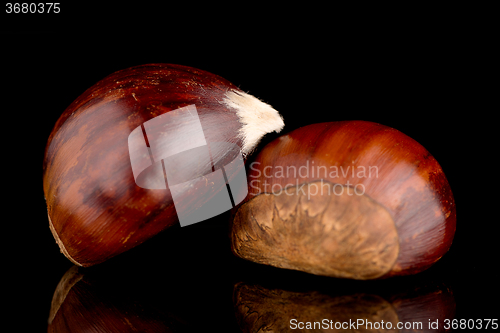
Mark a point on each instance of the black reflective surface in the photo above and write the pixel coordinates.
(188, 281)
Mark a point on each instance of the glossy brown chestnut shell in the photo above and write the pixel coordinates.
(96, 210)
(349, 199)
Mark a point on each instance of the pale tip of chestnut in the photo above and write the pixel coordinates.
(257, 118)
(62, 248)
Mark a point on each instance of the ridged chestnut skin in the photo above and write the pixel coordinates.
(397, 220)
(96, 210)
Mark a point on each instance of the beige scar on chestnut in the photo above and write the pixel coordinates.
(348, 236)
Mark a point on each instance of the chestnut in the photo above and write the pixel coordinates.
(347, 199)
(100, 199)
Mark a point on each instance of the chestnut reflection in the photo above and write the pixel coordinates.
(82, 303)
(262, 309)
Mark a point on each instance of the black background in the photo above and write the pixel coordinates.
(431, 79)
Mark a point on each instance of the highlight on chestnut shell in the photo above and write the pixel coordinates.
(112, 155)
(347, 199)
